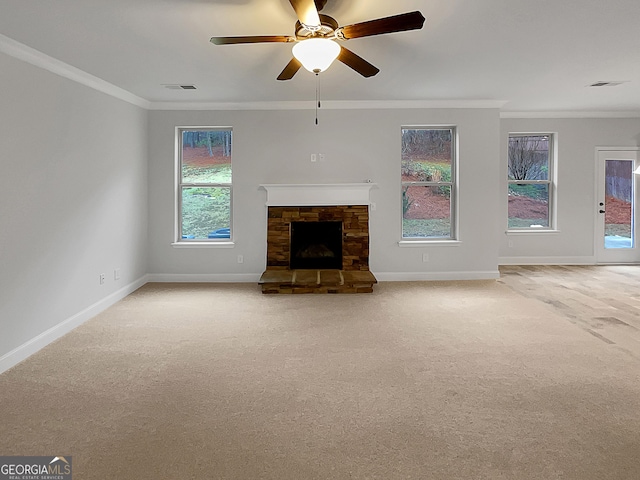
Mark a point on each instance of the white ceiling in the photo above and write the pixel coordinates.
(534, 55)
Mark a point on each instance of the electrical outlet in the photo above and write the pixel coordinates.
(321, 157)
(313, 157)
(102, 277)
(116, 274)
(425, 257)
(240, 259)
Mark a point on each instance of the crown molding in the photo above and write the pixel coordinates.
(328, 105)
(34, 57)
(573, 114)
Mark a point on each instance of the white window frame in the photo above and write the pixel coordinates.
(551, 183)
(452, 239)
(179, 185)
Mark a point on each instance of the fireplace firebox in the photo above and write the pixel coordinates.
(316, 245)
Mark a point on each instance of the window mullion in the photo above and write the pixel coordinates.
(205, 185)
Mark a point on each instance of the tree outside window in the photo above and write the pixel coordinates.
(204, 184)
(428, 182)
(530, 168)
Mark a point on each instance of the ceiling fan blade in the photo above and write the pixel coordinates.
(359, 64)
(251, 39)
(290, 70)
(396, 23)
(307, 12)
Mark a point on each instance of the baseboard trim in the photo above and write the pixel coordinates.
(40, 341)
(380, 276)
(203, 278)
(421, 276)
(590, 260)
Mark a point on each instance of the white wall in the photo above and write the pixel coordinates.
(73, 204)
(577, 140)
(275, 147)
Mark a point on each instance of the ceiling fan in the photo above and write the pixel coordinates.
(315, 36)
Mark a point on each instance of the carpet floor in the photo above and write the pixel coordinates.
(419, 380)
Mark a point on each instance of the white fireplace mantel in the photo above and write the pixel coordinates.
(289, 195)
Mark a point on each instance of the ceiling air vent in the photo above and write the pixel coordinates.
(605, 84)
(179, 87)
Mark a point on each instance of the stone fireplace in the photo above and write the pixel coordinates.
(317, 239)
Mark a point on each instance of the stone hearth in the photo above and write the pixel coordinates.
(317, 281)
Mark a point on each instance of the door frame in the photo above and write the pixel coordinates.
(615, 256)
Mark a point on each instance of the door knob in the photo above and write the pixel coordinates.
(601, 211)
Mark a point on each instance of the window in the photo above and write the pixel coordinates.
(204, 185)
(428, 182)
(530, 181)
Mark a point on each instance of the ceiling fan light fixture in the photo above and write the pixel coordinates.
(316, 54)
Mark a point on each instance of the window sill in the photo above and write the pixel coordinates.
(533, 231)
(203, 244)
(425, 243)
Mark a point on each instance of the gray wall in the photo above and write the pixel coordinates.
(275, 147)
(73, 199)
(577, 140)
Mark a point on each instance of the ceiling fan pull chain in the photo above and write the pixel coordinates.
(317, 95)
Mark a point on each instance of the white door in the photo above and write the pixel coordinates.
(615, 235)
